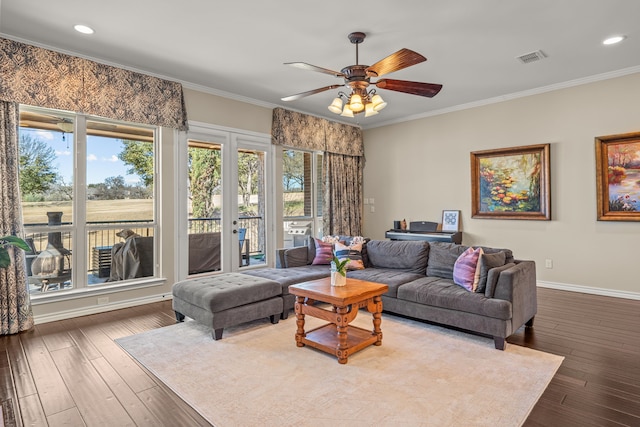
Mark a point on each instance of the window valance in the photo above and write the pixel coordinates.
(45, 78)
(298, 130)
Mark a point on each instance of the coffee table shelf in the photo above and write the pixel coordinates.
(325, 338)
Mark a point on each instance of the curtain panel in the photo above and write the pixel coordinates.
(342, 188)
(343, 165)
(298, 130)
(44, 78)
(15, 306)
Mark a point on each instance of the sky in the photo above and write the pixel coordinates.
(102, 156)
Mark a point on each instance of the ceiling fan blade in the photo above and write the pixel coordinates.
(309, 92)
(415, 88)
(396, 61)
(310, 67)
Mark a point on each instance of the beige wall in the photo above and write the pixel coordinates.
(416, 169)
(206, 108)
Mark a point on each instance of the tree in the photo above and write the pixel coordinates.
(37, 171)
(293, 170)
(112, 188)
(204, 180)
(138, 155)
(248, 168)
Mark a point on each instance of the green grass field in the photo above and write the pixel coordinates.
(97, 210)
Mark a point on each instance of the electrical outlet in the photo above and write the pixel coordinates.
(103, 300)
(372, 208)
(548, 263)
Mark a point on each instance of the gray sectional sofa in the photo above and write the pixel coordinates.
(420, 279)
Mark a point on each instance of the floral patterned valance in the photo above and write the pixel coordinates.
(44, 78)
(298, 130)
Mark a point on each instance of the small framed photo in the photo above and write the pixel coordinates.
(450, 220)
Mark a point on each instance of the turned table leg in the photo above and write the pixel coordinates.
(377, 319)
(342, 323)
(299, 321)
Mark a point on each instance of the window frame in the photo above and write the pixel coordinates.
(80, 227)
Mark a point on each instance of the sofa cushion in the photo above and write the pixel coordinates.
(465, 270)
(391, 277)
(323, 253)
(486, 262)
(352, 252)
(444, 293)
(442, 258)
(409, 256)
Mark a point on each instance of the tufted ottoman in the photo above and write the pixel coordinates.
(226, 300)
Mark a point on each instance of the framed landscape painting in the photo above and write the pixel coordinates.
(618, 177)
(511, 183)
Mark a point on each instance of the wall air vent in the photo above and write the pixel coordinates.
(528, 58)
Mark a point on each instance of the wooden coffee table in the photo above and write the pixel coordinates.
(338, 337)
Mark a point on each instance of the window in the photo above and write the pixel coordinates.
(302, 195)
(87, 189)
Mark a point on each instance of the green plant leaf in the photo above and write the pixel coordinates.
(4, 258)
(5, 241)
(341, 266)
(15, 241)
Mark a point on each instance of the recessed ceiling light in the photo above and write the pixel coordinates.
(83, 29)
(613, 40)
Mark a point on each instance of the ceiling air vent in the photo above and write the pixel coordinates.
(528, 58)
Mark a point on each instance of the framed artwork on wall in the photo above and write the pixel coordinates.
(450, 220)
(618, 177)
(511, 183)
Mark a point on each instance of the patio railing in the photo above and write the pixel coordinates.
(100, 241)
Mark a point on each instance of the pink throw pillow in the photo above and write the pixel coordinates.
(465, 270)
(324, 253)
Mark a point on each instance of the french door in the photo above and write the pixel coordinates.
(227, 211)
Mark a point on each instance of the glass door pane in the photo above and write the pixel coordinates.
(251, 206)
(205, 206)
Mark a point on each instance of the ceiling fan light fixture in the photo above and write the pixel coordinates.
(355, 104)
(336, 106)
(369, 110)
(346, 112)
(378, 102)
(357, 78)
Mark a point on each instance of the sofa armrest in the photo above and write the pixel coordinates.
(517, 284)
(292, 257)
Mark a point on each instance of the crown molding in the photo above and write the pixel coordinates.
(515, 95)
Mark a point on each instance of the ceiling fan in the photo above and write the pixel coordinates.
(357, 78)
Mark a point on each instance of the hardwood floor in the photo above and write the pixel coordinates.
(72, 373)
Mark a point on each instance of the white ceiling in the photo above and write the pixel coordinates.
(237, 48)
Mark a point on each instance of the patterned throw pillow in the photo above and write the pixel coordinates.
(324, 253)
(465, 271)
(353, 252)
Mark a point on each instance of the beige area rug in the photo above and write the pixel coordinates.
(422, 375)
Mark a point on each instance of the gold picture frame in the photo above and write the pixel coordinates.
(618, 177)
(511, 183)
